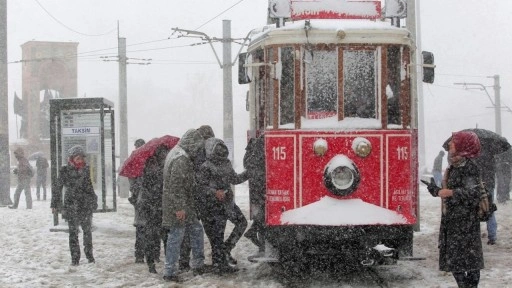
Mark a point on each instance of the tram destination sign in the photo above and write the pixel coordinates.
(325, 9)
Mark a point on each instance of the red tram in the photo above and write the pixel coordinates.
(333, 100)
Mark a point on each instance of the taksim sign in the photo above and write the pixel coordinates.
(324, 9)
(81, 130)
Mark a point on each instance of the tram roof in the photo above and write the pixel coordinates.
(327, 31)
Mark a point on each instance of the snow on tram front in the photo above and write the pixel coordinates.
(332, 99)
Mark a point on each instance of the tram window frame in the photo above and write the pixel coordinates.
(321, 113)
(373, 104)
(393, 91)
(287, 85)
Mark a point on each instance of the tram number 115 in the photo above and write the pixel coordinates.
(279, 153)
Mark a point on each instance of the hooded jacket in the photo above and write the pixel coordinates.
(179, 180)
(217, 173)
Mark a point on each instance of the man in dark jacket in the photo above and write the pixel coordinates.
(217, 205)
(24, 172)
(42, 171)
(254, 162)
(150, 205)
(80, 201)
(135, 188)
(178, 204)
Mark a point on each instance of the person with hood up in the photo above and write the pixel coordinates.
(460, 245)
(80, 201)
(178, 205)
(25, 173)
(206, 132)
(149, 205)
(216, 175)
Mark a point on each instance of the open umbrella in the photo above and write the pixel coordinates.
(134, 164)
(492, 143)
(35, 155)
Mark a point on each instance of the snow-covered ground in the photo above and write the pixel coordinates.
(32, 256)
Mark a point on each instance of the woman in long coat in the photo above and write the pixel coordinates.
(460, 245)
(80, 201)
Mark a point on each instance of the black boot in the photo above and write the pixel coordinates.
(152, 268)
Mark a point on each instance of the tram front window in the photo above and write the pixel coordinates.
(321, 81)
(359, 84)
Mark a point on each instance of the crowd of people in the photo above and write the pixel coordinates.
(185, 193)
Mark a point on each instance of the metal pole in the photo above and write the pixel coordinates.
(5, 183)
(497, 103)
(227, 88)
(123, 119)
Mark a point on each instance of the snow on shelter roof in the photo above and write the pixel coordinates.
(331, 31)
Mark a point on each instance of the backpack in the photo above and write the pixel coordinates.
(485, 206)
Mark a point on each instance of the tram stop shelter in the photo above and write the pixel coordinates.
(88, 122)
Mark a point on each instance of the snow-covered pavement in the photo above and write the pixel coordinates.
(32, 256)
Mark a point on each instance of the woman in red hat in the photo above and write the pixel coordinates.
(460, 246)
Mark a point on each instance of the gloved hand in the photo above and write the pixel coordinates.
(432, 187)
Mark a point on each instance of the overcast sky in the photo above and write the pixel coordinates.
(182, 88)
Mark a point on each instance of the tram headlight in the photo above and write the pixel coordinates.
(320, 147)
(341, 176)
(362, 147)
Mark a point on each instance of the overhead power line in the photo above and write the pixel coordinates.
(69, 28)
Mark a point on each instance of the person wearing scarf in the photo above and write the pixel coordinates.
(80, 201)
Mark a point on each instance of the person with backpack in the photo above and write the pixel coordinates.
(460, 245)
(25, 173)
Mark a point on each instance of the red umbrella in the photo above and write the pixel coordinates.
(134, 164)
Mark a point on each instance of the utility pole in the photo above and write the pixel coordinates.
(227, 87)
(5, 183)
(497, 103)
(123, 112)
(226, 66)
(497, 98)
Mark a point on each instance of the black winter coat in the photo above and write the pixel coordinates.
(149, 202)
(460, 245)
(80, 199)
(216, 173)
(254, 162)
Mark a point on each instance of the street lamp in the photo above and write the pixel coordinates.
(496, 103)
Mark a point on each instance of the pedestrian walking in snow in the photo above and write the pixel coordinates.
(80, 201)
(460, 245)
(24, 172)
(41, 175)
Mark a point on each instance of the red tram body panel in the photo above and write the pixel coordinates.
(296, 173)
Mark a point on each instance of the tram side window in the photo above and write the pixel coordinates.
(359, 84)
(393, 87)
(322, 84)
(269, 96)
(286, 103)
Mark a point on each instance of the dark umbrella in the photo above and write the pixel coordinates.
(134, 164)
(35, 155)
(491, 143)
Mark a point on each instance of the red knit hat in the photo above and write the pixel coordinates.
(466, 143)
